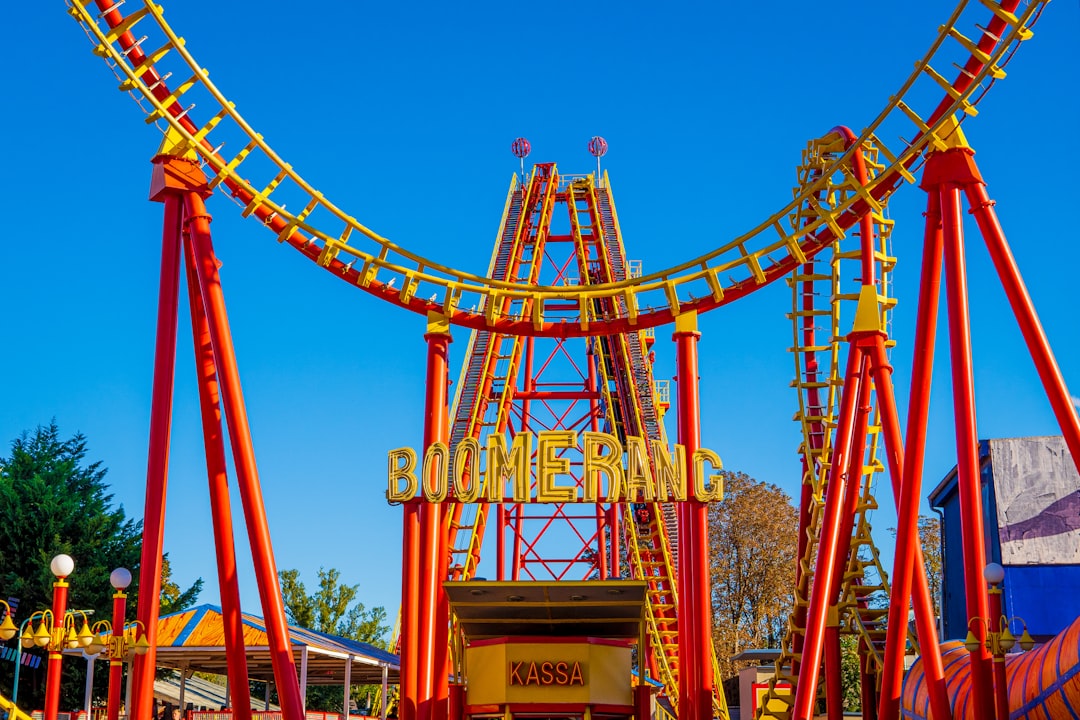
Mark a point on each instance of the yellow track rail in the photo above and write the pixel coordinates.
(13, 713)
(820, 358)
(340, 243)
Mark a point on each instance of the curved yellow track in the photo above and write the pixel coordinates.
(265, 185)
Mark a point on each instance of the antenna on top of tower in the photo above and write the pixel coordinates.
(520, 147)
(598, 148)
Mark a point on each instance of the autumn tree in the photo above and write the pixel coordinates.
(753, 539)
(930, 538)
(332, 609)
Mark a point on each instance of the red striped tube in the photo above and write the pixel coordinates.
(1044, 684)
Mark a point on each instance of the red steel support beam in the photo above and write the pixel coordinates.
(856, 461)
(967, 441)
(410, 610)
(694, 587)
(116, 661)
(431, 677)
(281, 658)
(1001, 683)
(157, 470)
(906, 474)
(56, 648)
(220, 506)
(822, 591)
(982, 207)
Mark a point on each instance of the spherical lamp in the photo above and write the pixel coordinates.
(62, 565)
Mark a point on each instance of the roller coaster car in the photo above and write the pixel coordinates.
(642, 514)
(580, 184)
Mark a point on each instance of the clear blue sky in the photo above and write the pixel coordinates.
(404, 114)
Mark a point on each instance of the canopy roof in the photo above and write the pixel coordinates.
(195, 639)
(600, 608)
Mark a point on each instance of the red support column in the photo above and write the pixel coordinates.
(170, 178)
(432, 687)
(220, 506)
(967, 441)
(56, 647)
(834, 701)
(694, 587)
(834, 692)
(822, 591)
(410, 611)
(285, 678)
(982, 207)
(116, 659)
(1001, 684)
(906, 474)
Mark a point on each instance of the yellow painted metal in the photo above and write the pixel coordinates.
(13, 713)
(751, 256)
(841, 303)
(605, 672)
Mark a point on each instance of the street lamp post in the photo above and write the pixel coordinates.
(118, 639)
(61, 566)
(999, 638)
(119, 579)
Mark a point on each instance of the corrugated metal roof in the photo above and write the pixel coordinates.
(195, 638)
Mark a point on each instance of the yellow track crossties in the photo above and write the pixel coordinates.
(264, 184)
(825, 293)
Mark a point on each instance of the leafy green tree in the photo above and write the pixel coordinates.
(332, 609)
(173, 599)
(52, 501)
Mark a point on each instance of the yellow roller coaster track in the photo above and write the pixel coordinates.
(13, 713)
(829, 296)
(341, 244)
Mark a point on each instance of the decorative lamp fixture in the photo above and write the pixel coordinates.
(62, 565)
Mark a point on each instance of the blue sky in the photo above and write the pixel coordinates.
(404, 116)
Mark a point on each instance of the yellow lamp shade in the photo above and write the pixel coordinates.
(41, 635)
(971, 642)
(1026, 641)
(7, 628)
(72, 639)
(141, 645)
(27, 638)
(95, 647)
(86, 636)
(1007, 640)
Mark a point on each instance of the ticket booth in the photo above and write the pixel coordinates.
(549, 650)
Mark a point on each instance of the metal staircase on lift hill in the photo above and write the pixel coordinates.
(490, 357)
(628, 392)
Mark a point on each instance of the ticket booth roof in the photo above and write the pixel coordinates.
(590, 608)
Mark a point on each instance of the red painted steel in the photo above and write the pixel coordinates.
(907, 562)
(54, 667)
(220, 506)
(285, 678)
(695, 601)
(967, 441)
(1001, 685)
(409, 642)
(432, 660)
(157, 471)
(116, 664)
(982, 207)
(822, 591)
(834, 692)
